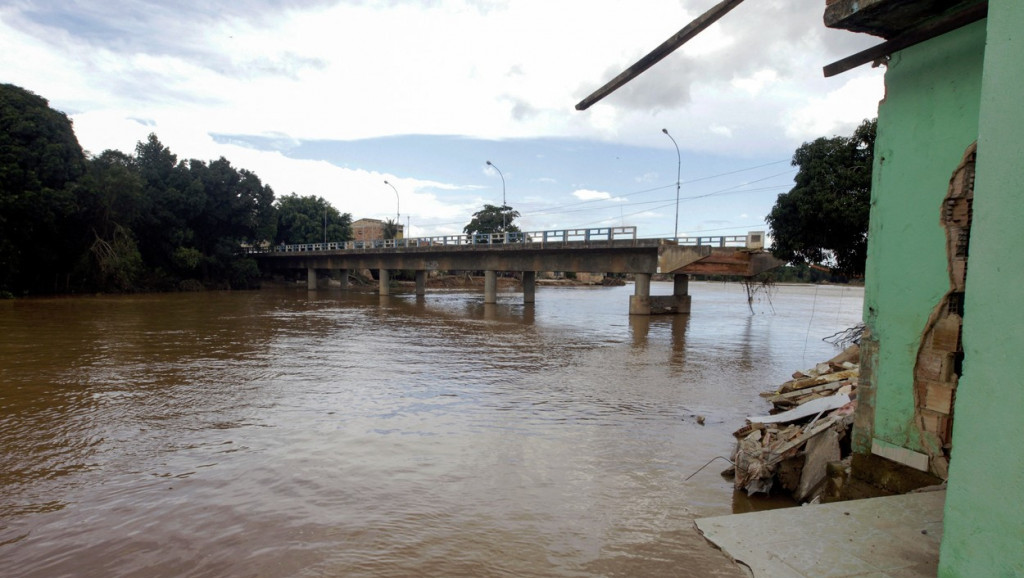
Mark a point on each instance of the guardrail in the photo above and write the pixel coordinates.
(525, 238)
(720, 241)
(752, 240)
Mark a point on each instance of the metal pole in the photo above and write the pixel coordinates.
(679, 169)
(398, 204)
(325, 224)
(504, 224)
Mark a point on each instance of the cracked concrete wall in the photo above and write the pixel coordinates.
(984, 515)
(927, 120)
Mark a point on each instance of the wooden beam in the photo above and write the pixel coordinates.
(909, 38)
(675, 41)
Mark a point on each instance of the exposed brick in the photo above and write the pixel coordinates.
(945, 336)
(938, 397)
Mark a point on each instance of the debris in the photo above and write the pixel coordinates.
(793, 445)
(812, 407)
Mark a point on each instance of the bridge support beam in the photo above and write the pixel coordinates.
(421, 282)
(385, 281)
(642, 303)
(640, 300)
(681, 292)
(529, 286)
(311, 278)
(344, 278)
(490, 286)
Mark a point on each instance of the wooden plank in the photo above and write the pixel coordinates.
(805, 410)
(807, 382)
(796, 394)
(664, 49)
(908, 39)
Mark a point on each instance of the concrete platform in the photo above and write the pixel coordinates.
(876, 537)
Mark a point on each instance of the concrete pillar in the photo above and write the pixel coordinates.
(529, 286)
(490, 286)
(680, 290)
(385, 281)
(640, 300)
(421, 282)
(311, 279)
(344, 279)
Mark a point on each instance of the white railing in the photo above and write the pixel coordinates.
(753, 240)
(720, 241)
(526, 238)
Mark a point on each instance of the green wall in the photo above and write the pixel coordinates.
(927, 119)
(983, 531)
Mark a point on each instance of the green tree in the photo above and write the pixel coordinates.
(823, 220)
(302, 220)
(172, 199)
(110, 208)
(40, 161)
(390, 229)
(493, 219)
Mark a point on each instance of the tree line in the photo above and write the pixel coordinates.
(117, 222)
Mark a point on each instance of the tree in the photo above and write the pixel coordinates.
(40, 161)
(301, 220)
(823, 220)
(390, 229)
(493, 219)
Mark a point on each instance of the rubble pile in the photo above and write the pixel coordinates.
(811, 415)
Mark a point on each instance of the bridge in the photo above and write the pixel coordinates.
(594, 250)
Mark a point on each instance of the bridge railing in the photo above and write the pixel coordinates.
(524, 238)
(718, 241)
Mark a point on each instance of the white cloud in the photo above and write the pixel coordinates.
(496, 70)
(589, 195)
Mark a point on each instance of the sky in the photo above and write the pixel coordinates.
(333, 98)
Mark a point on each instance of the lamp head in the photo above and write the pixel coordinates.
(488, 163)
(664, 130)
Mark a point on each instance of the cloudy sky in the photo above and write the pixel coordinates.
(333, 97)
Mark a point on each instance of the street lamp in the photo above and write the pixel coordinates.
(398, 205)
(679, 168)
(504, 225)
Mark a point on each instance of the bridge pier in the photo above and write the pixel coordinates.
(640, 300)
(311, 278)
(642, 303)
(344, 278)
(490, 287)
(385, 281)
(529, 286)
(681, 292)
(421, 282)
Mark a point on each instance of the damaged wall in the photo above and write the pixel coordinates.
(927, 120)
(984, 516)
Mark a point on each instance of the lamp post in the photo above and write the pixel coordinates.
(679, 168)
(398, 205)
(504, 225)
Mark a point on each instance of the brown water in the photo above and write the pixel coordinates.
(292, 433)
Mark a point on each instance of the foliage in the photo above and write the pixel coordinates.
(390, 229)
(303, 220)
(823, 220)
(129, 222)
(493, 219)
(40, 160)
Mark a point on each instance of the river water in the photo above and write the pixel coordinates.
(291, 433)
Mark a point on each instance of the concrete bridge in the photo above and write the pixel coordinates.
(597, 250)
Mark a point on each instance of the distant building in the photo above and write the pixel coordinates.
(372, 230)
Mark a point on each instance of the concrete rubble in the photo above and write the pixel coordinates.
(808, 428)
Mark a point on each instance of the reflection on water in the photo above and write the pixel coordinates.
(286, 432)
